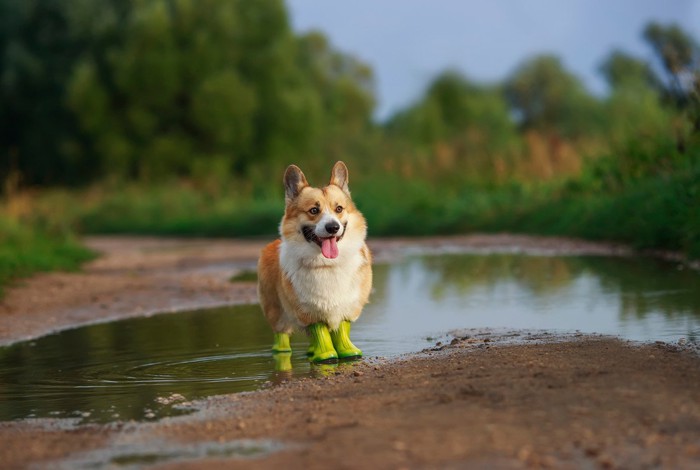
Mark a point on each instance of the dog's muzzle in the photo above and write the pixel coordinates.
(309, 232)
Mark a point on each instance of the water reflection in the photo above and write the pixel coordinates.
(132, 369)
(146, 368)
(636, 298)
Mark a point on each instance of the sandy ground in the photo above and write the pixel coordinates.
(585, 402)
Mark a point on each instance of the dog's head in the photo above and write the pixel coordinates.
(325, 218)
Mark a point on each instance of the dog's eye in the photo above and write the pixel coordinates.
(339, 209)
(314, 210)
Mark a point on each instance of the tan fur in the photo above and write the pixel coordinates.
(296, 284)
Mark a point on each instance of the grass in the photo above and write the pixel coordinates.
(661, 213)
(244, 276)
(178, 211)
(647, 200)
(25, 250)
(392, 206)
(651, 212)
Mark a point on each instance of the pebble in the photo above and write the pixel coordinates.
(692, 450)
(400, 446)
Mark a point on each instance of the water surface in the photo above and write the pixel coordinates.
(642, 299)
(145, 368)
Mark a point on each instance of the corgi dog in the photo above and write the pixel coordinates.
(318, 275)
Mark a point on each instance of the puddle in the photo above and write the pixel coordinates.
(642, 299)
(140, 454)
(148, 368)
(141, 368)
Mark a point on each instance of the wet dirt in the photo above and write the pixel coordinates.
(478, 401)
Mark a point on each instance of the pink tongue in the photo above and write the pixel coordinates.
(329, 247)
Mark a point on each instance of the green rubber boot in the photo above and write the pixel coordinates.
(321, 344)
(342, 343)
(281, 343)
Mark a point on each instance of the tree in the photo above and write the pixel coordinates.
(621, 69)
(345, 83)
(678, 53)
(38, 50)
(214, 86)
(154, 88)
(546, 97)
(458, 128)
(194, 87)
(634, 107)
(451, 106)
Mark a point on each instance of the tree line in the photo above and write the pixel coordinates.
(151, 89)
(543, 112)
(139, 89)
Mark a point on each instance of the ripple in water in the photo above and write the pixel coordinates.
(130, 369)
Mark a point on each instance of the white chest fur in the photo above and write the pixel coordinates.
(327, 290)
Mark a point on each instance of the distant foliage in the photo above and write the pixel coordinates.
(221, 94)
(38, 50)
(621, 69)
(465, 125)
(548, 98)
(150, 89)
(177, 117)
(452, 105)
(210, 86)
(679, 54)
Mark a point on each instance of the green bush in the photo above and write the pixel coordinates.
(25, 250)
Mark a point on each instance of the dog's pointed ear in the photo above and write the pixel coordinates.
(339, 176)
(294, 182)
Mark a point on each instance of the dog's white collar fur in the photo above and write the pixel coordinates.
(328, 289)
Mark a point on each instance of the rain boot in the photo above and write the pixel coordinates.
(281, 343)
(321, 344)
(342, 343)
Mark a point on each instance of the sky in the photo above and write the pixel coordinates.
(408, 42)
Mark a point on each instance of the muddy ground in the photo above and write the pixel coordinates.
(580, 402)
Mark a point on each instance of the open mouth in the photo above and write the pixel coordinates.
(328, 245)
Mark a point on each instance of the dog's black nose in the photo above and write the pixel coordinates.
(332, 227)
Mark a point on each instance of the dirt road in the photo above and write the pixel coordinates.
(586, 402)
